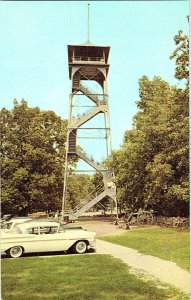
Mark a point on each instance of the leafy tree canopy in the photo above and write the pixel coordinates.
(33, 151)
(152, 164)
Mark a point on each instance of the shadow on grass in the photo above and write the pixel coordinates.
(47, 254)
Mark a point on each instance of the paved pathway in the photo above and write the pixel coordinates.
(166, 271)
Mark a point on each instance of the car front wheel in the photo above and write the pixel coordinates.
(80, 247)
(15, 252)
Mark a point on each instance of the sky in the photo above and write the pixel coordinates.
(33, 50)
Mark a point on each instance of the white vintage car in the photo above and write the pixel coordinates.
(30, 237)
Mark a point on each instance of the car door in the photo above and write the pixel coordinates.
(31, 239)
(53, 240)
(50, 239)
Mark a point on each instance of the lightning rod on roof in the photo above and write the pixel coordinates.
(88, 23)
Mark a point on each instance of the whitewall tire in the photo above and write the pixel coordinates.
(15, 252)
(80, 247)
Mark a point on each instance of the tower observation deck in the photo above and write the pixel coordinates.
(88, 67)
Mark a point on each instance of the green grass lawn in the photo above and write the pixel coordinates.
(79, 277)
(165, 243)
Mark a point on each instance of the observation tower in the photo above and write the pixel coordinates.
(88, 102)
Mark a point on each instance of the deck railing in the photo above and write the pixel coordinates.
(88, 58)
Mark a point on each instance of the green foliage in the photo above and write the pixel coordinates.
(181, 55)
(152, 165)
(96, 277)
(166, 243)
(33, 151)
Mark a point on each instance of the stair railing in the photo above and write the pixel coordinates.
(78, 118)
(99, 167)
(90, 197)
(88, 93)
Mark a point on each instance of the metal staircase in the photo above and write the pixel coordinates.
(72, 142)
(76, 82)
(86, 92)
(77, 122)
(92, 199)
(108, 189)
(91, 162)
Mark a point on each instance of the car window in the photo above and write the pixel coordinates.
(48, 229)
(32, 230)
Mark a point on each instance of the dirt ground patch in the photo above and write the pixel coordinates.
(104, 227)
(101, 227)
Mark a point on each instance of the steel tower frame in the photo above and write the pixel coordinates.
(87, 63)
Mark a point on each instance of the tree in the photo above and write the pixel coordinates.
(152, 165)
(33, 151)
(142, 143)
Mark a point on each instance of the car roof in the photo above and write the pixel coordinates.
(37, 224)
(17, 220)
(43, 220)
(20, 219)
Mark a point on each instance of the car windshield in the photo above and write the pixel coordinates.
(16, 229)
